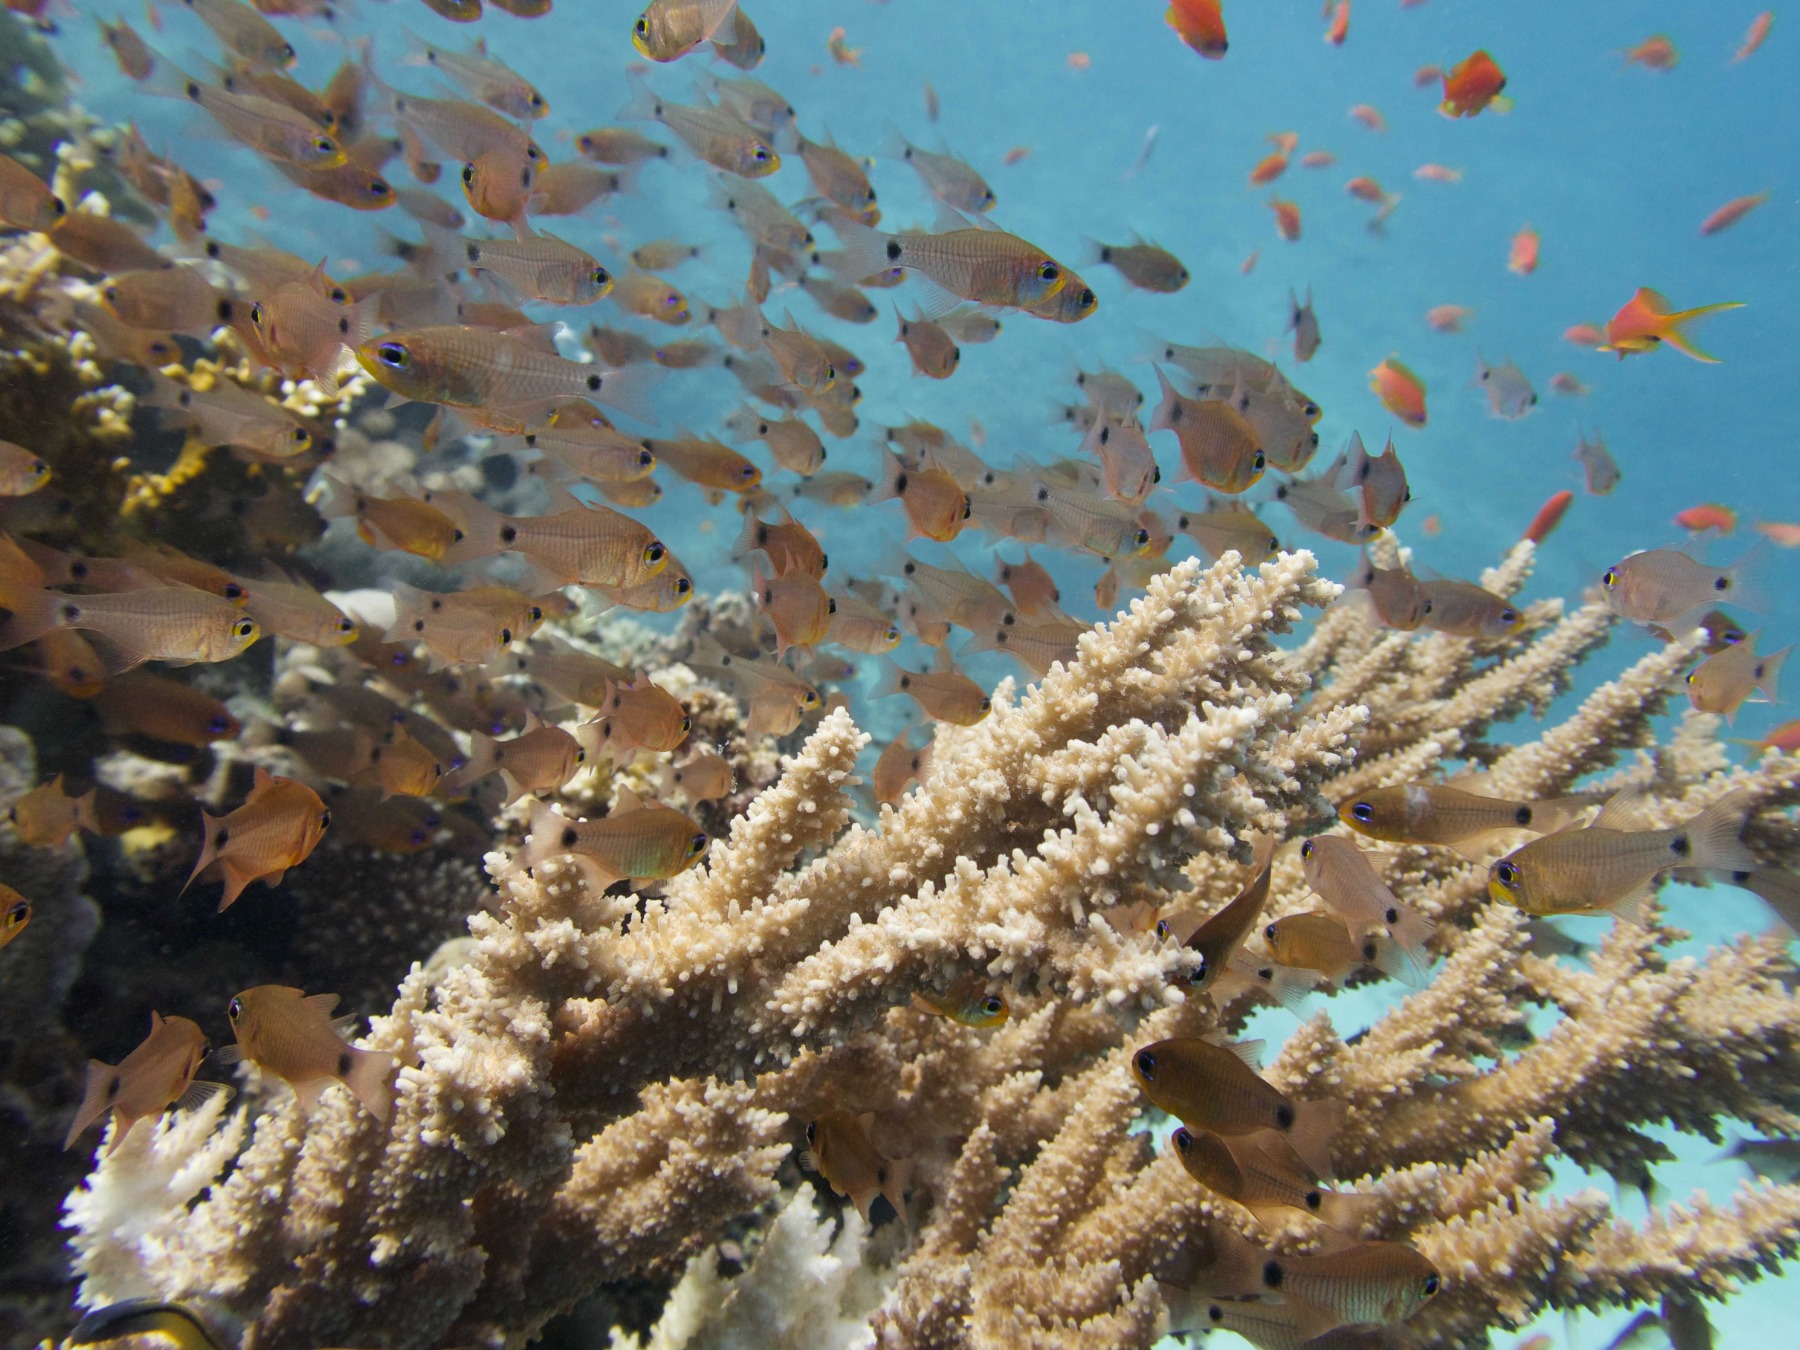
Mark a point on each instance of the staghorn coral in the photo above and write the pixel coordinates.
(609, 1081)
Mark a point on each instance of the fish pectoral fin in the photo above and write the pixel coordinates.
(1631, 906)
(309, 1093)
(346, 1025)
(198, 1094)
(1620, 811)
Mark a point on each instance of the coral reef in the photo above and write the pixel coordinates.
(607, 1081)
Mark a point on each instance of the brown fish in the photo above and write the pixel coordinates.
(291, 1035)
(279, 824)
(839, 1149)
(15, 913)
(641, 841)
(158, 1074)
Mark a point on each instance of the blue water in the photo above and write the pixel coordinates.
(1614, 165)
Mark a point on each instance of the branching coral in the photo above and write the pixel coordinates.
(609, 1080)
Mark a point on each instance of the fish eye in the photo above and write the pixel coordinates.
(244, 628)
(1145, 1063)
(967, 508)
(18, 914)
(324, 144)
(1509, 615)
(233, 591)
(892, 634)
(683, 586)
(1611, 578)
(324, 820)
(1431, 1285)
(468, 175)
(1363, 812)
(760, 154)
(1269, 934)
(985, 704)
(642, 29)
(812, 1126)
(393, 354)
(1182, 1139)
(1198, 974)
(1307, 849)
(217, 726)
(344, 626)
(697, 845)
(654, 552)
(1507, 874)
(598, 276)
(993, 1005)
(1048, 271)
(235, 1009)
(687, 725)
(1259, 461)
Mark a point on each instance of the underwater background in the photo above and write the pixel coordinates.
(1126, 131)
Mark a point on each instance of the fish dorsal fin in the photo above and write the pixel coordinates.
(625, 800)
(261, 781)
(1620, 811)
(323, 1002)
(540, 337)
(1655, 301)
(346, 1024)
(1250, 1053)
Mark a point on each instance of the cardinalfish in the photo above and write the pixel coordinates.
(1448, 816)
(1653, 53)
(1304, 325)
(277, 827)
(637, 840)
(1258, 1171)
(1341, 875)
(899, 765)
(1463, 609)
(947, 178)
(1611, 868)
(943, 692)
(1473, 85)
(986, 266)
(670, 29)
(1211, 1087)
(1201, 25)
(968, 1001)
(1666, 586)
(21, 472)
(286, 1032)
(137, 1317)
(714, 135)
(1509, 392)
(26, 201)
(1217, 938)
(839, 1149)
(1598, 466)
(156, 1075)
(1648, 320)
(1725, 680)
(153, 623)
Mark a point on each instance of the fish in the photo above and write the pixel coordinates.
(1724, 680)
(1584, 335)
(1522, 254)
(898, 765)
(637, 840)
(277, 827)
(1732, 212)
(1653, 53)
(1269, 168)
(136, 59)
(704, 777)
(1260, 1171)
(947, 178)
(1600, 469)
(568, 188)
(1320, 942)
(670, 29)
(26, 201)
(1380, 482)
(1666, 585)
(1647, 320)
(713, 134)
(1448, 318)
(47, 815)
(839, 177)
(1339, 27)
(1509, 392)
(838, 44)
(1304, 325)
(986, 266)
(1034, 592)
(286, 1032)
(482, 78)
(137, 1317)
(619, 145)
(1231, 528)
(156, 1075)
(639, 715)
(1754, 36)
(1447, 816)
(1463, 609)
(1207, 1086)
(542, 268)
(1548, 517)
(745, 47)
(1707, 516)
(143, 703)
(934, 352)
(1287, 218)
(21, 472)
(1401, 392)
(839, 1149)
(1473, 85)
(403, 523)
(1220, 448)
(1219, 936)
(273, 130)
(944, 693)
(1783, 534)
(1437, 173)
(1341, 875)
(1776, 1159)
(1611, 868)
(935, 504)
(1201, 25)
(1383, 1283)
(15, 914)
(1147, 266)
(176, 624)
(968, 1002)
(1565, 383)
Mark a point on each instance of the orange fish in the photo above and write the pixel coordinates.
(1200, 24)
(1754, 35)
(1366, 189)
(1269, 169)
(1731, 213)
(1437, 173)
(1647, 321)
(292, 1035)
(1653, 53)
(1780, 533)
(1426, 76)
(1448, 318)
(279, 824)
(1565, 383)
(1339, 28)
(1708, 516)
(1523, 256)
(1472, 85)
(1401, 391)
(1246, 267)
(1317, 159)
(1584, 335)
(1370, 117)
(1287, 218)
(158, 1074)
(1549, 516)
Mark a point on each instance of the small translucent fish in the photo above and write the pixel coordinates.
(1219, 447)
(71, 663)
(102, 243)
(1509, 392)
(1317, 159)
(1522, 255)
(290, 1034)
(1449, 318)
(1565, 383)
(706, 462)
(1200, 24)
(1453, 817)
(947, 178)
(744, 47)
(838, 44)
(1472, 85)
(1463, 609)
(983, 265)
(1304, 325)
(642, 841)
(839, 1149)
(1287, 218)
(514, 373)
(164, 709)
(1707, 516)
(585, 545)
(271, 129)
(660, 255)
(935, 504)
(1609, 867)
(1208, 1086)
(1340, 874)
(1260, 1171)
(1033, 590)
(156, 623)
(277, 827)
(542, 267)
(619, 145)
(1399, 599)
(482, 78)
(1400, 391)
(670, 29)
(21, 471)
(1754, 36)
(1074, 302)
(944, 693)
(156, 1075)
(934, 352)
(795, 445)
(1653, 53)
(15, 913)
(1597, 464)
(1666, 585)
(968, 1002)
(704, 777)
(1724, 681)
(898, 765)
(714, 135)
(26, 201)
(1145, 265)
(640, 715)
(500, 185)
(1647, 321)
(1732, 212)
(1437, 173)
(403, 523)
(650, 297)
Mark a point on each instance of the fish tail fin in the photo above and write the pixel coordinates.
(544, 839)
(1316, 1126)
(644, 105)
(209, 849)
(96, 1099)
(896, 1176)
(1771, 673)
(1675, 325)
(1712, 836)
(1400, 951)
(890, 681)
(484, 758)
(369, 1081)
(891, 481)
(1347, 1211)
(33, 615)
(628, 391)
(863, 251)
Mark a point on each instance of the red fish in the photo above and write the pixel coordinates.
(1653, 53)
(1287, 218)
(1732, 212)
(1523, 257)
(1549, 516)
(1400, 390)
(1339, 28)
(1472, 85)
(1754, 35)
(1708, 516)
(1200, 24)
(1647, 321)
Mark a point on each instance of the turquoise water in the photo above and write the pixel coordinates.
(1614, 165)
